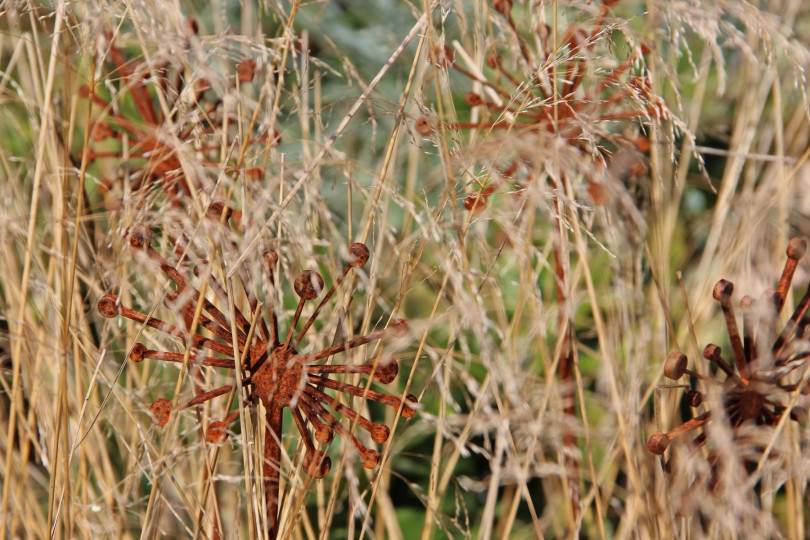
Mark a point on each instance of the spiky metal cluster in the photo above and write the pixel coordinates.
(566, 94)
(751, 388)
(273, 371)
(151, 141)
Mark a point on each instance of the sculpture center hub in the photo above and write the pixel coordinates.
(751, 403)
(279, 379)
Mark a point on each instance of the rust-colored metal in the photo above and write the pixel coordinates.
(274, 372)
(750, 388)
(154, 140)
(586, 103)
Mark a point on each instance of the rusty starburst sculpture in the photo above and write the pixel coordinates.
(557, 89)
(150, 141)
(750, 388)
(273, 371)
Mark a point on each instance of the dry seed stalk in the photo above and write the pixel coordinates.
(564, 96)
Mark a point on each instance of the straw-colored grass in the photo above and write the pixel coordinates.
(543, 269)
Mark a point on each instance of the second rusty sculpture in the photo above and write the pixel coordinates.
(750, 387)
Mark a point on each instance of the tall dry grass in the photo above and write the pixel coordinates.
(344, 85)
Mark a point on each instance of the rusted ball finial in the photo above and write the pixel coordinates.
(140, 237)
(358, 255)
(108, 306)
(308, 285)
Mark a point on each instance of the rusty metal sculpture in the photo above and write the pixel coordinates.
(155, 139)
(562, 92)
(750, 388)
(273, 371)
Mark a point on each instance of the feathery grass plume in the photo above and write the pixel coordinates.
(757, 388)
(165, 125)
(535, 89)
(271, 368)
(556, 106)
